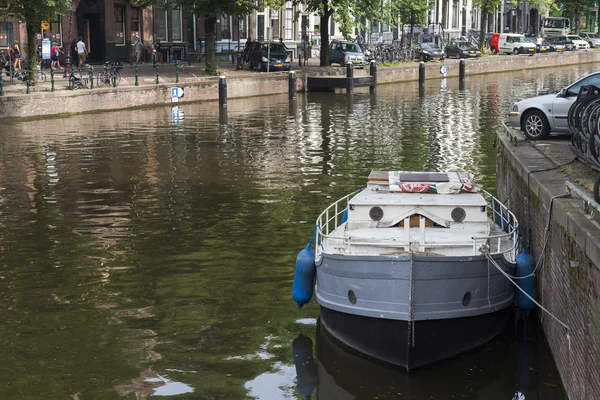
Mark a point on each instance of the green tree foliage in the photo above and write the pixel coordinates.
(347, 13)
(411, 12)
(485, 7)
(210, 10)
(574, 9)
(32, 13)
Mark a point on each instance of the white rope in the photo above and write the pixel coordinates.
(489, 257)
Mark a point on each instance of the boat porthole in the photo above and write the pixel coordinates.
(351, 297)
(458, 214)
(467, 299)
(376, 213)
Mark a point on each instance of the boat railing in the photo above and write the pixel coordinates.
(506, 243)
(330, 219)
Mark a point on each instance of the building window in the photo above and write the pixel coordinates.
(136, 18)
(289, 21)
(275, 32)
(3, 3)
(225, 27)
(6, 34)
(161, 21)
(332, 27)
(176, 25)
(55, 30)
(243, 28)
(120, 26)
(455, 14)
(260, 31)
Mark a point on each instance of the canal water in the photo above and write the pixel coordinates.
(150, 254)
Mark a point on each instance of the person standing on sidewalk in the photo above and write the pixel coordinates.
(16, 53)
(81, 51)
(54, 53)
(139, 46)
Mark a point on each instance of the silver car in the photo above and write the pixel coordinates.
(538, 116)
(592, 38)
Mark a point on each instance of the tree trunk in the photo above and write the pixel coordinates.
(32, 59)
(325, 33)
(210, 63)
(577, 21)
(412, 28)
(482, 30)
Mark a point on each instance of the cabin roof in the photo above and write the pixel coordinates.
(375, 197)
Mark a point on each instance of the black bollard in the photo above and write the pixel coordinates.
(51, 79)
(349, 79)
(223, 119)
(137, 75)
(373, 73)
(157, 76)
(1, 85)
(222, 91)
(461, 70)
(421, 73)
(292, 85)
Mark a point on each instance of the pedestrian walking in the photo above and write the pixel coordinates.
(16, 53)
(360, 40)
(139, 46)
(55, 51)
(81, 51)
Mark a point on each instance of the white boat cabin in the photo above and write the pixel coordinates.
(429, 214)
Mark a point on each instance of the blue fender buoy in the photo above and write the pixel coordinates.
(304, 276)
(345, 215)
(525, 267)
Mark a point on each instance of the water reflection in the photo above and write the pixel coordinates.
(498, 370)
(141, 253)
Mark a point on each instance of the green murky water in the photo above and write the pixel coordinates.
(145, 255)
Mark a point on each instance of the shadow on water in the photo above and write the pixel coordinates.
(513, 366)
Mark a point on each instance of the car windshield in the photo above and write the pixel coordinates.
(574, 89)
(275, 48)
(592, 35)
(463, 45)
(574, 37)
(429, 46)
(556, 23)
(350, 47)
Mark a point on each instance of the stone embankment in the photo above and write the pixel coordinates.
(530, 180)
(18, 105)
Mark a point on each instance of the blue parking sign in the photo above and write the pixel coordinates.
(174, 92)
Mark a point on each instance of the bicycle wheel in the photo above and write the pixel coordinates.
(117, 77)
(102, 78)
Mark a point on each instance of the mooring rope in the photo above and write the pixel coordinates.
(486, 252)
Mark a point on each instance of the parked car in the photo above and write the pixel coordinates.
(342, 52)
(567, 43)
(593, 39)
(511, 43)
(461, 49)
(538, 116)
(428, 52)
(539, 48)
(579, 42)
(277, 58)
(553, 46)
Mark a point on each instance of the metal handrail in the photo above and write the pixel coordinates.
(330, 219)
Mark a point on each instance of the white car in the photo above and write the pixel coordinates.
(592, 38)
(538, 116)
(579, 42)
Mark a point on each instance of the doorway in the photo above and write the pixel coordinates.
(93, 36)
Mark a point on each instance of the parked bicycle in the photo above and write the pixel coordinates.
(110, 75)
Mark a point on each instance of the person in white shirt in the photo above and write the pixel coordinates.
(81, 51)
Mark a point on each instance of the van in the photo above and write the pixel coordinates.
(511, 43)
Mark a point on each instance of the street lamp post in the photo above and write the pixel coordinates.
(72, 9)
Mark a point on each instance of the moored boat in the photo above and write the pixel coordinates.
(408, 269)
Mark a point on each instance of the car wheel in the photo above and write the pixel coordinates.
(535, 125)
(516, 52)
(422, 58)
(446, 54)
(494, 51)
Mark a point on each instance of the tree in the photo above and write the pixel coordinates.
(210, 10)
(485, 7)
(574, 8)
(347, 13)
(412, 12)
(32, 13)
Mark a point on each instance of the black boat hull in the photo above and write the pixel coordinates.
(389, 340)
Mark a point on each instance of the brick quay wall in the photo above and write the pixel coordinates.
(569, 281)
(41, 104)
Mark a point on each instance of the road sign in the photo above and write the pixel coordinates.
(45, 49)
(176, 93)
(45, 25)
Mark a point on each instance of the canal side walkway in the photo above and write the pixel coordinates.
(563, 230)
(198, 86)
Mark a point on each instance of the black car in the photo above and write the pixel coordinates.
(276, 58)
(428, 52)
(539, 48)
(567, 43)
(461, 49)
